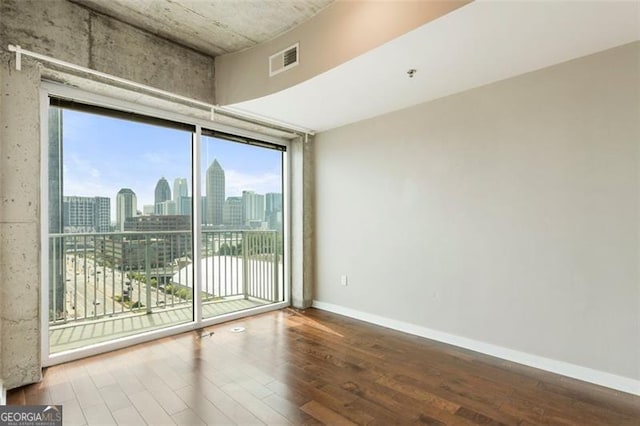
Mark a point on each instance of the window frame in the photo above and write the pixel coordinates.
(56, 90)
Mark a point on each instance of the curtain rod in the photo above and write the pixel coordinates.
(230, 112)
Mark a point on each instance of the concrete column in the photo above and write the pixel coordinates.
(19, 222)
(301, 223)
(2, 388)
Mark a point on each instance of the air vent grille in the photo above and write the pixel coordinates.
(283, 60)
(291, 56)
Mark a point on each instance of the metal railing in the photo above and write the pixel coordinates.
(100, 275)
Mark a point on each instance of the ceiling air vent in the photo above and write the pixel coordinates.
(283, 60)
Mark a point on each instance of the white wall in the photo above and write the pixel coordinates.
(508, 214)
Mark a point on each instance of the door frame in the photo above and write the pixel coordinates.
(51, 89)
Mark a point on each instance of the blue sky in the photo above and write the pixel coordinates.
(101, 155)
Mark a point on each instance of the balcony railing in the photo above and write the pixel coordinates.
(101, 275)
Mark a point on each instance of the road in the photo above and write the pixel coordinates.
(90, 290)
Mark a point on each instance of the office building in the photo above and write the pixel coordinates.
(215, 187)
(126, 207)
(151, 242)
(168, 207)
(162, 193)
(252, 207)
(273, 210)
(180, 191)
(148, 209)
(87, 214)
(232, 212)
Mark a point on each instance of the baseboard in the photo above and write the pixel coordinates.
(597, 377)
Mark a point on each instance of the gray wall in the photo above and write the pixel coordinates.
(71, 33)
(508, 214)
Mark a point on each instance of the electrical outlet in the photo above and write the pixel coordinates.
(343, 280)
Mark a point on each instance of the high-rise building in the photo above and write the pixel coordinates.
(273, 210)
(253, 207)
(186, 208)
(180, 191)
(162, 193)
(103, 214)
(168, 207)
(56, 245)
(87, 214)
(215, 193)
(185, 205)
(232, 211)
(126, 206)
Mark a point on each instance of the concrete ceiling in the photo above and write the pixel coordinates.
(480, 43)
(214, 27)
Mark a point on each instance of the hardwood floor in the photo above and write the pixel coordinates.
(315, 367)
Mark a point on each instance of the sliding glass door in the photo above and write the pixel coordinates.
(121, 233)
(117, 233)
(242, 262)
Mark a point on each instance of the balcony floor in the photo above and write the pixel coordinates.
(85, 333)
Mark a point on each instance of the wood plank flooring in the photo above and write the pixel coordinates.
(314, 367)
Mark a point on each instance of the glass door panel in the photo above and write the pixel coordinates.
(242, 225)
(120, 229)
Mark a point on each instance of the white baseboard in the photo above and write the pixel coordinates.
(597, 377)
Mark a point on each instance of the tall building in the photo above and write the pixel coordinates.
(273, 210)
(87, 214)
(180, 191)
(126, 206)
(162, 193)
(103, 214)
(215, 193)
(253, 207)
(232, 211)
(186, 208)
(56, 246)
(168, 207)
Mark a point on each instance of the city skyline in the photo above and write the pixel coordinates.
(254, 206)
(250, 209)
(105, 154)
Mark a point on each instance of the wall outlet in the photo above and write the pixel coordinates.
(343, 280)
